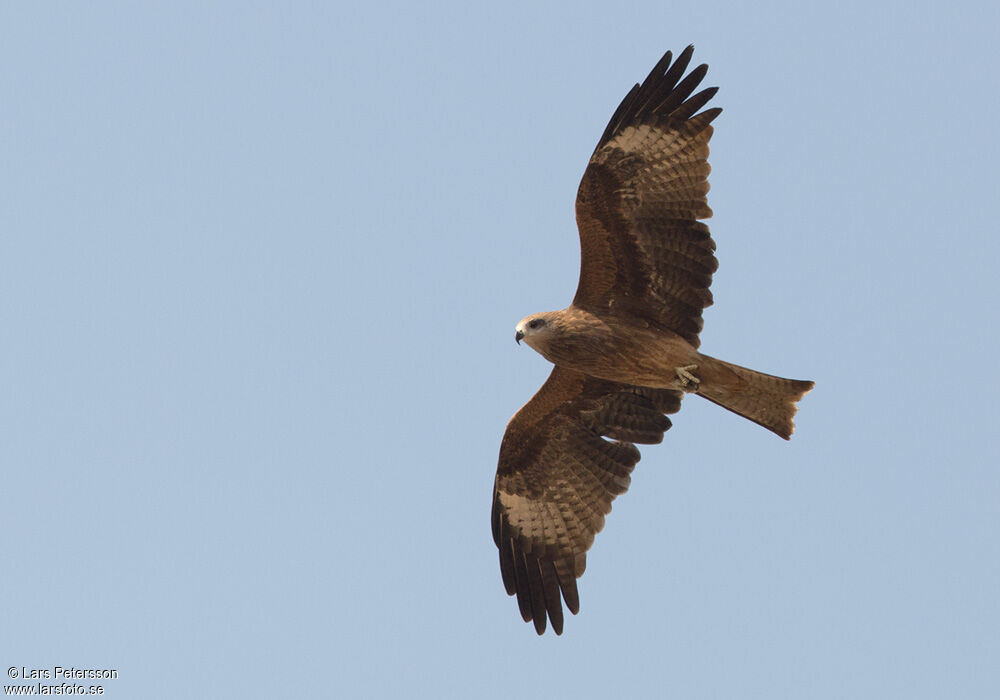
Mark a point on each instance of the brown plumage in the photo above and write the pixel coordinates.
(626, 349)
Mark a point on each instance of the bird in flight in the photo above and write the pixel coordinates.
(626, 350)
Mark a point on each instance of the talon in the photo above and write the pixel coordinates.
(686, 378)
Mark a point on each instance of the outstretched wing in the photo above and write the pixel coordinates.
(557, 477)
(644, 253)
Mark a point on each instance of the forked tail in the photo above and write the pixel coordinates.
(765, 399)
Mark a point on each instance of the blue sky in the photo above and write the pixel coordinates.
(260, 266)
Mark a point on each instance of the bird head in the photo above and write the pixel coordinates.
(533, 330)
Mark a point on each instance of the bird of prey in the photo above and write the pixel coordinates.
(626, 350)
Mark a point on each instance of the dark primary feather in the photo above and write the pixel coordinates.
(644, 254)
(557, 476)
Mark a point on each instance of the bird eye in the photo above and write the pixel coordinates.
(534, 324)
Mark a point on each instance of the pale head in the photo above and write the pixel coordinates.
(535, 330)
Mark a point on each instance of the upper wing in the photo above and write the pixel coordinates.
(643, 251)
(557, 477)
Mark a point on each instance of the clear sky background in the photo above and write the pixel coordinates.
(260, 266)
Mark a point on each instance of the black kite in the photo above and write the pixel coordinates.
(626, 350)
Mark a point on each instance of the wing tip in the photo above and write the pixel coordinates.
(662, 95)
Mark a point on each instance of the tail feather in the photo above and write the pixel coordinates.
(767, 400)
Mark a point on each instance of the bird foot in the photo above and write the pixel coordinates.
(688, 381)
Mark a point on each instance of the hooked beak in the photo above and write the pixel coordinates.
(518, 336)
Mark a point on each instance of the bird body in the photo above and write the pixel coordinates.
(607, 348)
(627, 349)
(631, 352)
